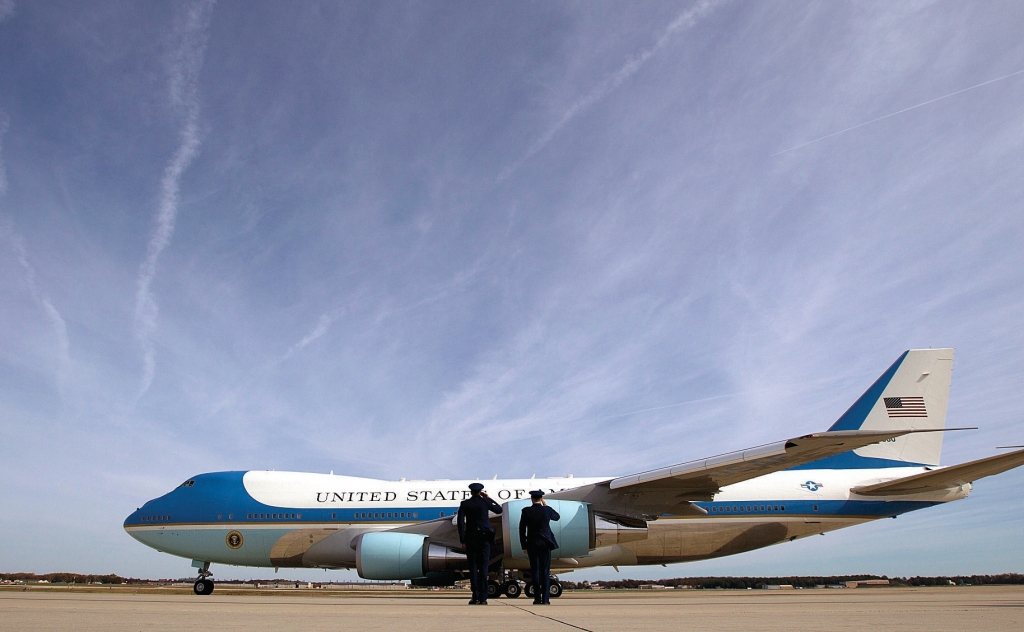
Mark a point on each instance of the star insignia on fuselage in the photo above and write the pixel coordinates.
(811, 486)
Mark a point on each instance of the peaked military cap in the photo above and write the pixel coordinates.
(537, 494)
(476, 487)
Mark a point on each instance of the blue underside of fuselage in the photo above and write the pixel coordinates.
(221, 498)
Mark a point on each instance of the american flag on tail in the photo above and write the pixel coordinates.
(905, 407)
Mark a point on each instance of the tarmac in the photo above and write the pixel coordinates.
(925, 609)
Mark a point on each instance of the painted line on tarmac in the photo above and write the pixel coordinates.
(511, 605)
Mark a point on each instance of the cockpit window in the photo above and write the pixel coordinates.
(188, 483)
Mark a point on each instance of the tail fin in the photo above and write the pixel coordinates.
(911, 394)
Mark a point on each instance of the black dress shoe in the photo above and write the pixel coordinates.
(473, 602)
(538, 603)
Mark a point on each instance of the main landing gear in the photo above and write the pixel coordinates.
(510, 588)
(203, 585)
(554, 590)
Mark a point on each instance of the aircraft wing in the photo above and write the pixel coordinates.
(444, 531)
(441, 530)
(671, 489)
(945, 478)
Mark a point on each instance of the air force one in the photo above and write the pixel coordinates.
(878, 460)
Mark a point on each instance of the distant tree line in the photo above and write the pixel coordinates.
(742, 583)
(68, 578)
(735, 583)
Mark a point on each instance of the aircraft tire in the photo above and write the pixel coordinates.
(202, 587)
(555, 591)
(493, 589)
(512, 589)
(530, 589)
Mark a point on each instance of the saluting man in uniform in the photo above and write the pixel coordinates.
(537, 541)
(477, 536)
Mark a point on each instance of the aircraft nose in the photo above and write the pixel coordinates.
(133, 519)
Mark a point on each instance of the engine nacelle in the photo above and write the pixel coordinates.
(390, 555)
(574, 530)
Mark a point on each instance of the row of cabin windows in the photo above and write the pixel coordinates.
(382, 514)
(334, 516)
(155, 518)
(752, 508)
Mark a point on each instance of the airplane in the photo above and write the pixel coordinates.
(880, 459)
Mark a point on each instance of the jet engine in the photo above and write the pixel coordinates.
(574, 531)
(390, 555)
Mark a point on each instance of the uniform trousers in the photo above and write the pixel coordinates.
(540, 568)
(478, 554)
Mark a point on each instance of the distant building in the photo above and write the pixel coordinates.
(867, 583)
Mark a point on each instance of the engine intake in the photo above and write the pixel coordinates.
(574, 531)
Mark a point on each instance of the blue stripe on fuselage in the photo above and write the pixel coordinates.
(221, 498)
(823, 508)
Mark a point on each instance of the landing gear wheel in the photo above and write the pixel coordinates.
(513, 589)
(555, 591)
(202, 586)
(531, 590)
(493, 589)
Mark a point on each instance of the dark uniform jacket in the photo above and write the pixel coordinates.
(535, 527)
(474, 523)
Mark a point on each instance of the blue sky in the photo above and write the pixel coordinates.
(455, 240)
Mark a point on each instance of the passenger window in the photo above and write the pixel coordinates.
(815, 508)
(415, 514)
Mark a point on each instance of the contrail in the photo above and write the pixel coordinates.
(60, 328)
(5, 122)
(185, 64)
(913, 107)
(736, 394)
(683, 22)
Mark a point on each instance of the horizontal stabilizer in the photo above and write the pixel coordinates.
(945, 478)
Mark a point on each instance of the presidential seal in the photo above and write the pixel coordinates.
(234, 540)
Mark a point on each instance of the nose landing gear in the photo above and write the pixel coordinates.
(203, 585)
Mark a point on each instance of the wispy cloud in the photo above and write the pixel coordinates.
(185, 63)
(683, 22)
(6, 9)
(322, 325)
